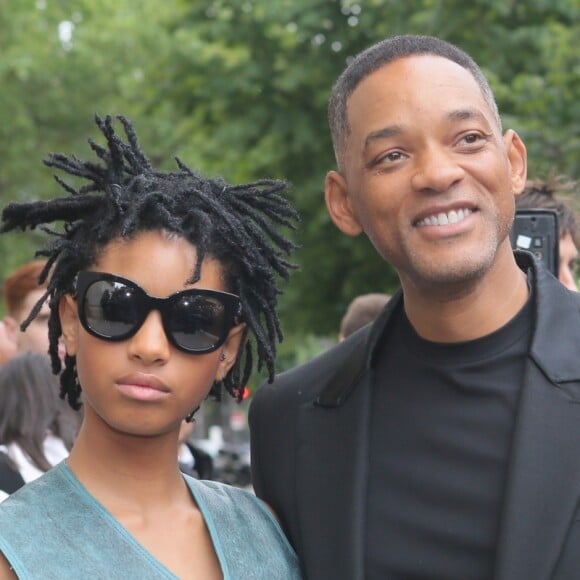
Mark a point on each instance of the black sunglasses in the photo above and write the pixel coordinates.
(195, 321)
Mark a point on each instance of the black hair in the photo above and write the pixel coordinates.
(124, 195)
(381, 54)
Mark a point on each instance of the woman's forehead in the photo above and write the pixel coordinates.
(162, 264)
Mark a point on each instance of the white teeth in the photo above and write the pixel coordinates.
(443, 219)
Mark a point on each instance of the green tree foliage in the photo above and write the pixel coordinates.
(239, 88)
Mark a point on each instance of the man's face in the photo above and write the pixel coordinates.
(568, 261)
(427, 174)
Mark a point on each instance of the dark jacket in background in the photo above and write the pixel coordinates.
(10, 479)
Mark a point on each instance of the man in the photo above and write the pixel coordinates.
(361, 311)
(442, 442)
(547, 195)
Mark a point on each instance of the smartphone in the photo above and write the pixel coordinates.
(537, 231)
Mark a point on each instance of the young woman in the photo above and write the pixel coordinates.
(163, 286)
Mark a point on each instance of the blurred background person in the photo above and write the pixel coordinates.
(35, 430)
(10, 478)
(192, 460)
(21, 293)
(556, 193)
(361, 311)
(7, 345)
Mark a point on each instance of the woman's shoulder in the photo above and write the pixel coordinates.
(32, 499)
(245, 532)
(224, 497)
(27, 518)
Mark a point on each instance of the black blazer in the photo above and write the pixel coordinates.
(309, 433)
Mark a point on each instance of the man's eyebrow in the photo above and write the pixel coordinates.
(466, 114)
(384, 133)
(395, 130)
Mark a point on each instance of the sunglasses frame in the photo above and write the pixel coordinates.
(86, 278)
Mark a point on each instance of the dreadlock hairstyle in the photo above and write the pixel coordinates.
(125, 195)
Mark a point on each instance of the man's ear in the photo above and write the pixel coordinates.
(69, 322)
(229, 353)
(518, 160)
(339, 204)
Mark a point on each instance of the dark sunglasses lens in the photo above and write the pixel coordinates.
(111, 308)
(197, 323)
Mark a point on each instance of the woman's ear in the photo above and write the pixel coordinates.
(69, 322)
(229, 353)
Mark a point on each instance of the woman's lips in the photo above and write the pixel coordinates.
(142, 387)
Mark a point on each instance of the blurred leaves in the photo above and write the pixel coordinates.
(239, 88)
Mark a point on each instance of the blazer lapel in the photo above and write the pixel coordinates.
(332, 486)
(332, 459)
(543, 484)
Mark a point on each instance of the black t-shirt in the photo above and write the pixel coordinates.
(441, 429)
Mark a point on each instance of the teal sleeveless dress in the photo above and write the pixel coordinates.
(52, 528)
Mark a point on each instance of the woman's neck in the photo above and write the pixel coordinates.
(126, 472)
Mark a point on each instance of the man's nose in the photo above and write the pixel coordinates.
(437, 169)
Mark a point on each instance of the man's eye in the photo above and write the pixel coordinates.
(392, 156)
(471, 138)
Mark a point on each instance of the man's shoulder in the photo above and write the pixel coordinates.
(305, 381)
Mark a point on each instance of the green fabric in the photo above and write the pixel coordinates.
(53, 528)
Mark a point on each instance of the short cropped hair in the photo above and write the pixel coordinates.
(361, 311)
(554, 193)
(381, 54)
(20, 284)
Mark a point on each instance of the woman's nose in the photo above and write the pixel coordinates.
(150, 343)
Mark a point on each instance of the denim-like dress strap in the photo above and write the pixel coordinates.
(248, 540)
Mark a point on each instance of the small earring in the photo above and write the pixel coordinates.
(191, 417)
(222, 356)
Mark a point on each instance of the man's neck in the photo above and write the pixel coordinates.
(468, 311)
